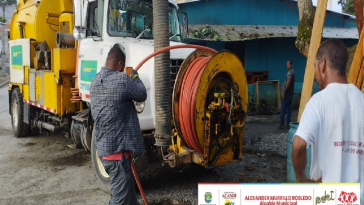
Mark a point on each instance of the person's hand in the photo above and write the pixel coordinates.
(134, 74)
(283, 96)
(305, 180)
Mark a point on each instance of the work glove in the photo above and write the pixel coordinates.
(134, 74)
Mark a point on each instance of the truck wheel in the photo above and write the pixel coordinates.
(20, 128)
(76, 130)
(102, 177)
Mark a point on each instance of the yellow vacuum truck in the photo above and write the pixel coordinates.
(56, 48)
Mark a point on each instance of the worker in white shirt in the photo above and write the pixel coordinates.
(332, 123)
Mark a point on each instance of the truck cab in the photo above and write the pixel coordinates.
(128, 23)
(99, 25)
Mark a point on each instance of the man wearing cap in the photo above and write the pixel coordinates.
(117, 129)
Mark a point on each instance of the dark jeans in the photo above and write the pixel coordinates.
(286, 104)
(122, 181)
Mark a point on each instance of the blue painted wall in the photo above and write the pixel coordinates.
(272, 55)
(262, 54)
(256, 12)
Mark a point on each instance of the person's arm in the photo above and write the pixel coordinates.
(307, 133)
(286, 87)
(135, 89)
(288, 83)
(299, 158)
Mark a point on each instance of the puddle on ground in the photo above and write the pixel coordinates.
(28, 144)
(78, 159)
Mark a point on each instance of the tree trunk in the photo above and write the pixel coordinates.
(306, 15)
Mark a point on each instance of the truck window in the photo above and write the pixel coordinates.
(100, 16)
(92, 27)
(129, 18)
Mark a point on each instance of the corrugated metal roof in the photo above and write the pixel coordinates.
(293, 1)
(250, 32)
(185, 1)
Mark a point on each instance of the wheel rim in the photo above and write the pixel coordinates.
(101, 167)
(15, 114)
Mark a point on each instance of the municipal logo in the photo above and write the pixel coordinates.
(208, 197)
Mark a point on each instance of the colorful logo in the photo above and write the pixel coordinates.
(347, 198)
(88, 70)
(17, 57)
(229, 198)
(208, 197)
(327, 196)
(228, 202)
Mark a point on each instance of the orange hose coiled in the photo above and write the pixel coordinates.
(187, 102)
(188, 93)
(190, 83)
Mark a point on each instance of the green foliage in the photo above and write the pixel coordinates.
(206, 32)
(2, 19)
(348, 6)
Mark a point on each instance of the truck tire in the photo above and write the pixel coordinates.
(102, 177)
(20, 128)
(76, 131)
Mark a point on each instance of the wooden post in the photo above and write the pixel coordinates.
(355, 68)
(358, 6)
(359, 82)
(318, 26)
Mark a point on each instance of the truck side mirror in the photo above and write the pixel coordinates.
(79, 31)
(183, 22)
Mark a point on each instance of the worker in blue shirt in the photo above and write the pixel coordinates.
(117, 129)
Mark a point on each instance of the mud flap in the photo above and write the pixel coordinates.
(26, 110)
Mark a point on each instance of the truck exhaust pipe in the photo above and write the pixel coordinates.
(49, 127)
(65, 40)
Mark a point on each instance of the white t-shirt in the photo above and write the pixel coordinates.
(333, 123)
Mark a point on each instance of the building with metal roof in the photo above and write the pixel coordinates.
(262, 33)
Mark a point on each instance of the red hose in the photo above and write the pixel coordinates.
(188, 92)
(138, 183)
(187, 102)
(164, 49)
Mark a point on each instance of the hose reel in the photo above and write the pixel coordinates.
(209, 105)
(210, 98)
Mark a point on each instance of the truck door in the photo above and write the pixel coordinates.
(92, 56)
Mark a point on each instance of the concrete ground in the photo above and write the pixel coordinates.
(44, 170)
(4, 80)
